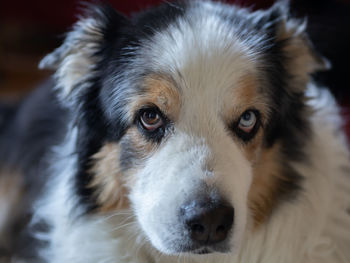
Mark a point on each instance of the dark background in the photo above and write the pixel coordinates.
(29, 29)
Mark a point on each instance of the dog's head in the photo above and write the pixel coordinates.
(187, 115)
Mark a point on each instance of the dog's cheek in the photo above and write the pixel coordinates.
(109, 182)
(113, 170)
(273, 183)
(261, 195)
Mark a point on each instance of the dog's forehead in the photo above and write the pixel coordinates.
(201, 51)
(205, 58)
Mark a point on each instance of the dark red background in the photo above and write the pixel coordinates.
(63, 13)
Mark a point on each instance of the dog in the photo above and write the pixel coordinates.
(191, 132)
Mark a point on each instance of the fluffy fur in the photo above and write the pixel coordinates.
(105, 187)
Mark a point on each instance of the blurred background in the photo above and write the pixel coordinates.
(31, 29)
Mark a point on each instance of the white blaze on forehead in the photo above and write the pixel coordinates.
(206, 60)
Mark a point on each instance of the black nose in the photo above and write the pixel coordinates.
(208, 222)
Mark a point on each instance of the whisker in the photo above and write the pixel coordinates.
(122, 226)
(106, 218)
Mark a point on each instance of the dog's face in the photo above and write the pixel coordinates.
(186, 115)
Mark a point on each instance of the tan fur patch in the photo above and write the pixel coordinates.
(110, 185)
(161, 92)
(141, 147)
(246, 95)
(263, 195)
(303, 59)
(252, 149)
(11, 194)
(247, 90)
(109, 182)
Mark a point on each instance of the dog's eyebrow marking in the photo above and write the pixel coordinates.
(247, 87)
(108, 181)
(161, 91)
(245, 94)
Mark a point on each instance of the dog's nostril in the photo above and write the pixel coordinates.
(221, 228)
(199, 232)
(206, 222)
(197, 228)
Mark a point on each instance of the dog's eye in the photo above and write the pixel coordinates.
(151, 120)
(247, 125)
(247, 121)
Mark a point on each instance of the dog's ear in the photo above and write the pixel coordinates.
(75, 60)
(288, 42)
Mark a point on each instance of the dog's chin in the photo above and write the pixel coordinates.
(203, 250)
(178, 246)
(208, 250)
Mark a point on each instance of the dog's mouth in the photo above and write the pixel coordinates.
(203, 251)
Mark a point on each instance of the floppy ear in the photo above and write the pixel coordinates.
(290, 42)
(76, 59)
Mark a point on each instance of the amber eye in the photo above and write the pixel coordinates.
(151, 119)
